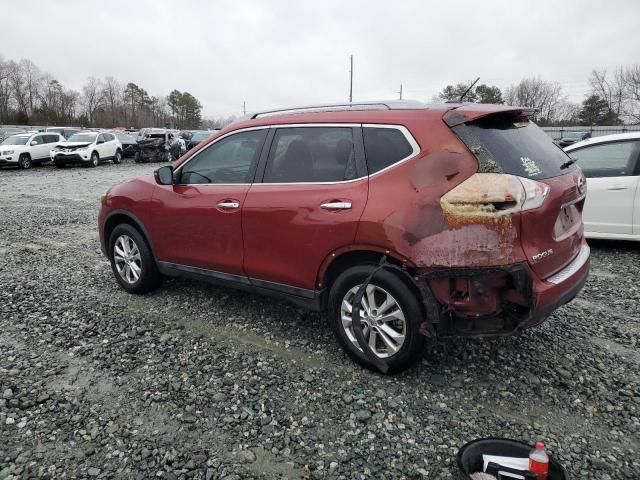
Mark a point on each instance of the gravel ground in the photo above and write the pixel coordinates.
(199, 382)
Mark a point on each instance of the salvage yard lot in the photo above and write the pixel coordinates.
(195, 381)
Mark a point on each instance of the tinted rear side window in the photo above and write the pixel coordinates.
(384, 147)
(311, 154)
(514, 145)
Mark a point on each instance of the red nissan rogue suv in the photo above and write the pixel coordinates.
(400, 220)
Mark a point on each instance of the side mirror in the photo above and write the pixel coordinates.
(33, 143)
(164, 175)
(99, 142)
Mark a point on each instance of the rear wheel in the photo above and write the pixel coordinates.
(95, 159)
(132, 262)
(25, 161)
(118, 157)
(390, 314)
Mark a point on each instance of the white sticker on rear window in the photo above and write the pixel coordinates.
(530, 167)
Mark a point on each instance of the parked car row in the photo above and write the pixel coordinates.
(64, 146)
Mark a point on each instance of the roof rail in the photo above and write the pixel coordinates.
(333, 107)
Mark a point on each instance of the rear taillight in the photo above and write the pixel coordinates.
(494, 194)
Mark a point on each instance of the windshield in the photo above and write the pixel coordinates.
(83, 137)
(517, 145)
(123, 137)
(15, 141)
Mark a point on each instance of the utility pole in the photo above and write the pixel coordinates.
(400, 92)
(244, 107)
(351, 80)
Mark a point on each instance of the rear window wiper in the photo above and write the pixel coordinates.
(568, 163)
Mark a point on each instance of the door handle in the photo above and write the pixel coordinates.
(337, 205)
(228, 205)
(617, 187)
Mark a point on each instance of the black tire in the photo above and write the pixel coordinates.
(137, 157)
(95, 159)
(58, 165)
(150, 278)
(117, 159)
(25, 161)
(397, 287)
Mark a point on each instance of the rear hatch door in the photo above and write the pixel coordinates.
(508, 142)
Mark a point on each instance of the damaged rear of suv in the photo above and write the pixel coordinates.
(401, 221)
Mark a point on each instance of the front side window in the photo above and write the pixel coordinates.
(100, 138)
(230, 160)
(607, 160)
(38, 139)
(384, 147)
(311, 154)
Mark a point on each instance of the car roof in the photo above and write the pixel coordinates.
(603, 139)
(395, 111)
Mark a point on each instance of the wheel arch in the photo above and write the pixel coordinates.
(118, 217)
(342, 259)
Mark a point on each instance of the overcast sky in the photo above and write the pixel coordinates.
(283, 53)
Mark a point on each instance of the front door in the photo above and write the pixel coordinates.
(197, 222)
(611, 185)
(308, 205)
(40, 150)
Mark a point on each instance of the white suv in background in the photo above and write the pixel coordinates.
(26, 149)
(87, 148)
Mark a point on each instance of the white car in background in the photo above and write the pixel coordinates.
(26, 149)
(87, 148)
(611, 164)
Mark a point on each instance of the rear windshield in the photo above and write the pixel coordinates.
(514, 145)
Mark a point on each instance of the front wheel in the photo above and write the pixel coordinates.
(132, 262)
(390, 314)
(93, 162)
(25, 162)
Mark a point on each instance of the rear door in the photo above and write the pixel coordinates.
(313, 191)
(612, 182)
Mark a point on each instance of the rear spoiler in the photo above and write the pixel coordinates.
(470, 112)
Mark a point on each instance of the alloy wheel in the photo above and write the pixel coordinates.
(383, 322)
(126, 256)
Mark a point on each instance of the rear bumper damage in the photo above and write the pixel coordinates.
(501, 300)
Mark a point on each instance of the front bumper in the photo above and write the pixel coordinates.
(69, 157)
(9, 160)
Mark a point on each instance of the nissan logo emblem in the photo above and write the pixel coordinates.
(581, 185)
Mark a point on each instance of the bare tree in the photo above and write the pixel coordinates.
(632, 93)
(92, 99)
(114, 101)
(5, 91)
(611, 90)
(536, 93)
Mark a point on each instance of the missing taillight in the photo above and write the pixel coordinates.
(493, 195)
